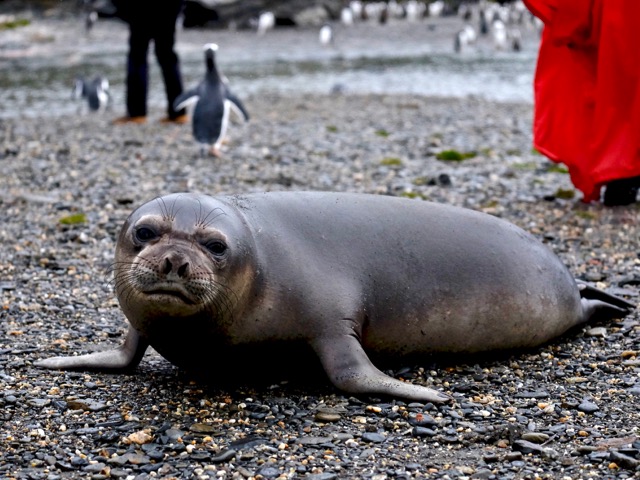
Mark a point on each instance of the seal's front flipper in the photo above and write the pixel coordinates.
(599, 304)
(125, 357)
(350, 369)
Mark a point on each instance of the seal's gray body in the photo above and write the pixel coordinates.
(406, 276)
(351, 275)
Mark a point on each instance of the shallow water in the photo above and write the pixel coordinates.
(38, 63)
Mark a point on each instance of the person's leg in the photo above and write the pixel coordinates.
(164, 40)
(137, 72)
(621, 192)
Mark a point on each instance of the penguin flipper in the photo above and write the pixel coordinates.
(237, 106)
(185, 99)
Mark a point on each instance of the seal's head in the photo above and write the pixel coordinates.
(181, 256)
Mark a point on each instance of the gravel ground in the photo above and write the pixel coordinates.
(565, 410)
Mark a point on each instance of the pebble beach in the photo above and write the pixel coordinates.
(566, 410)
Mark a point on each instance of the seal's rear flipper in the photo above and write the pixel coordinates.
(602, 305)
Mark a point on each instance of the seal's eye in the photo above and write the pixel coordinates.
(216, 247)
(145, 234)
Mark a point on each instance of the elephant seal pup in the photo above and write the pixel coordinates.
(347, 274)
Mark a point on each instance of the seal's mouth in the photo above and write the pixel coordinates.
(171, 294)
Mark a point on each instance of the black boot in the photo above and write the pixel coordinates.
(621, 192)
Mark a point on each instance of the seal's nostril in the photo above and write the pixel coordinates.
(182, 271)
(167, 266)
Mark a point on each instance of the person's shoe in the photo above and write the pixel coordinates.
(621, 192)
(180, 119)
(127, 119)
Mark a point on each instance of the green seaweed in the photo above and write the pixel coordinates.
(332, 128)
(413, 195)
(557, 169)
(454, 155)
(10, 25)
(524, 166)
(74, 219)
(421, 181)
(586, 215)
(391, 162)
(382, 133)
(566, 194)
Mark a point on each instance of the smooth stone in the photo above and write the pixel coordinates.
(327, 417)
(535, 437)
(313, 440)
(422, 432)
(624, 461)
(202, 428)
(269, 472)
(588, 407)
(597, 332)
(373, 437)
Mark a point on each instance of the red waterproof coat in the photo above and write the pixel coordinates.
(587, 89)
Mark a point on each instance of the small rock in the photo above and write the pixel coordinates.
(624, 461)
(588, 407)
(535, 437)
(269, 472)
(139, 438)
(529, 447)
(373, 437)
(202, 428)
(422, 432)
(313, 440)
(327, 417)
(597, 332)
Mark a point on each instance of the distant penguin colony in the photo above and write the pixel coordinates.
(501, 23)
(95, 92)
(213, 101)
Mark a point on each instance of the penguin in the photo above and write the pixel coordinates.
(95, 92)
(515, 39)
(266, 21)
(213, 101)
(499, 32)
(464, 37)
(90, 20)
(326, 35)
(346, 16)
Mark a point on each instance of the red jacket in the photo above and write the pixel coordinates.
(587, 89)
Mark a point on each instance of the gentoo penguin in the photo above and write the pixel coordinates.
(90, 20)
(326, 35)
(346, 16)
(266, 21)
(464, 37)
(499, 33)
(95, 91)
(213, 100)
